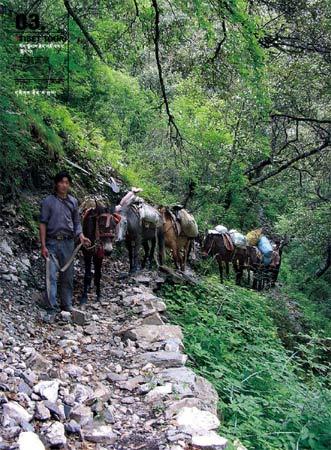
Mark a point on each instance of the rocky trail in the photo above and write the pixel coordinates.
(110, 375)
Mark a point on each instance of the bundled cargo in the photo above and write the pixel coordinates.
(265, 247)
(149, 214)
(238, 239)
(90, 203)
(221, 229)
(253, 237)
(188, 224)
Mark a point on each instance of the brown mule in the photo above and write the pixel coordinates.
(220, 247)
(174, 239)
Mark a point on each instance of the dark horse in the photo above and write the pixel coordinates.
(99, 226)
(220, 247)
(139, 232)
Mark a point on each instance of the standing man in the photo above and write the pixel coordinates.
(59, 226)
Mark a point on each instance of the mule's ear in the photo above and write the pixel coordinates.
(96, 203)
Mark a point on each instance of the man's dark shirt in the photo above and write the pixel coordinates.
(61, 216)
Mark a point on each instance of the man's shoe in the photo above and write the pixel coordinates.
(67, 308)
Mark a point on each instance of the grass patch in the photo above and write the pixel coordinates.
(270, 398)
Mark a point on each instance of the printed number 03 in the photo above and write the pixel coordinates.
(31, 21)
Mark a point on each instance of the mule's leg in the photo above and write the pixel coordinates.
(176, 256)
(87, 277)
(174, 250)
(135, 258)
(241, 265)
(151, 253)
(146, 253)
(255, 278)
(129, 247)
(236, 270)
(248, 271)
(186, 253)
(220, 266)
(161, 246)
(227, 269)
(97, 260)
(260, 279)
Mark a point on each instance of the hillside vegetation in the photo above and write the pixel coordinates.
(271, 397)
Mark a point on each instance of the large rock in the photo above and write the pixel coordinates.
(153, 319)
(205, 391)
(55, 435)
(48, 389)
(102, 392)
(178, 374)
(56, 410)
(196, 421)
(173, 345)
(132, 383)
(138, 299)
(79, 317)
(38, 362)
(209, 441)
(14, 413)
(81, 414)
(158, 393)
(163, 359)
(28, 440)
(151, 306)
(83, 394)
(74, 371)
(41, 412)
(174, 406)
(154, 333)
(5, 248)
(187, 384)
(182, 378)
(101, 435)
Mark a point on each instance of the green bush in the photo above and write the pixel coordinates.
(269, 398)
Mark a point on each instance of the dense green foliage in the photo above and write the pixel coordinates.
(270, 398)
(231, 97)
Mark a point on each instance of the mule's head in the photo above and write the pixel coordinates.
(207, 245)
(106, 224)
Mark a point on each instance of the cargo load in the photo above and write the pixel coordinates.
(238, 239)
(188, 224)
(150, 215)
(221, 229)
(265, 247)
(90, 203)
(253, 237)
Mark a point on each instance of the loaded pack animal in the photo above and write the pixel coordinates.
(220, 247)
(274, 268)
(140, 232)
(255, 265)
(99, 225)
(175, 238)
(264, 276)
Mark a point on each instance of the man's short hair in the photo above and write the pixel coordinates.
(63, 174)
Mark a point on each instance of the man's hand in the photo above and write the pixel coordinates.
(84, 240)
(44, 252)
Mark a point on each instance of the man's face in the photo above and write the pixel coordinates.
(62, 186)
